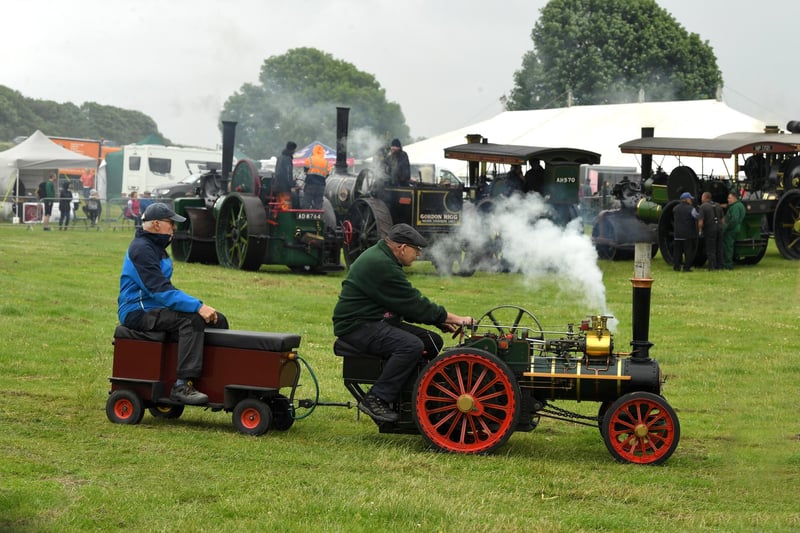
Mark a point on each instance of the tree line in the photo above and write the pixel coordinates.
(21, 116)
(585, 52)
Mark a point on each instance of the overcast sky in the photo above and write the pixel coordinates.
(445, 62)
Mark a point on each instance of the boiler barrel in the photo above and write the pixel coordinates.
(340, 189)
(596, 382)
(648, 211)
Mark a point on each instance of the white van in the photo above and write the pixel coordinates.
(146, 166)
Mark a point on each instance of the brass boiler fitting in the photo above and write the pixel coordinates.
(599, 342)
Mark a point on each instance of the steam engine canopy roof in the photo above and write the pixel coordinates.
(512, 154)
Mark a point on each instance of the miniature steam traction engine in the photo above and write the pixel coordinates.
(506, 371)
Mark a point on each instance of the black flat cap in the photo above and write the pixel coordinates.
(405, 234)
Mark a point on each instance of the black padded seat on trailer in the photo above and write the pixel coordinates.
(252, 340)
(228, 338)
(121, 332)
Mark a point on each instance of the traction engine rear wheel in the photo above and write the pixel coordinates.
(642, 428)
(241, 232)
(124, 407)
(252, 417)
(196, 242)
(787, 225)
(368, 221)
(466, 402)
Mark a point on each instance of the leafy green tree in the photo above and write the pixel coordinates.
(297, 99)
(20, 116)
(607, 51)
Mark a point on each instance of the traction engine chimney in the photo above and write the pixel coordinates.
(342, 126)
(642, 283)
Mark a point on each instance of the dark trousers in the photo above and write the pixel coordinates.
(684, 252)
(313, 192)
(190, 328)
(714, 248)
(729, 243)
(402, 347)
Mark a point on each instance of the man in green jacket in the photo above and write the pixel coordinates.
(375, 302)
(733, 221)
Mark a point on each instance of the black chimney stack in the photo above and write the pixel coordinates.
(647, 159)
(228, 139)
(342, 125)
(642, 284)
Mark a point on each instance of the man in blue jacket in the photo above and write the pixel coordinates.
(149, 302)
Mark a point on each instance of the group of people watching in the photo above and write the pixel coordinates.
(710, 222)
(46, 193)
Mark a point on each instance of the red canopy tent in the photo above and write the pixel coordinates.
(301, 155)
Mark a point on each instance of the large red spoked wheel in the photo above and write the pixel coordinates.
(124, 407)
(642, 428)
(466, 402)
(252, 417)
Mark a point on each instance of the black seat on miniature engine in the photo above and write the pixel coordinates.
(343, 349)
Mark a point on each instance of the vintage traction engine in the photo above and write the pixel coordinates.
(506, 372)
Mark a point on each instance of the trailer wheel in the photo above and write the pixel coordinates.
(787, 225)
(466, 402)
(124, 407)
(164, 410)
(241, 232)
(282, 412)
(642, 428)
(252, 417)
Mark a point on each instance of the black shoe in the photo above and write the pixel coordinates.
(687, 269)
(187, 394)
(378, 409)
(676, 268)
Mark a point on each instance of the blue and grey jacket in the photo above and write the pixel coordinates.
(145, 280)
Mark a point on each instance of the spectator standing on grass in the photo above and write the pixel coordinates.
(92, 208)
(734, 217)
(685, 223)
(709, 225)
(47, 194)
(145, 201)
(64, 206)
(87, 181)
(133, 209)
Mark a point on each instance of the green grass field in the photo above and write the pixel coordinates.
(727, 343)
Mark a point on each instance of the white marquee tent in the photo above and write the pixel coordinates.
(32, 161)
(600, 128)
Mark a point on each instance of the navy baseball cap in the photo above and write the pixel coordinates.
(161, 211)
